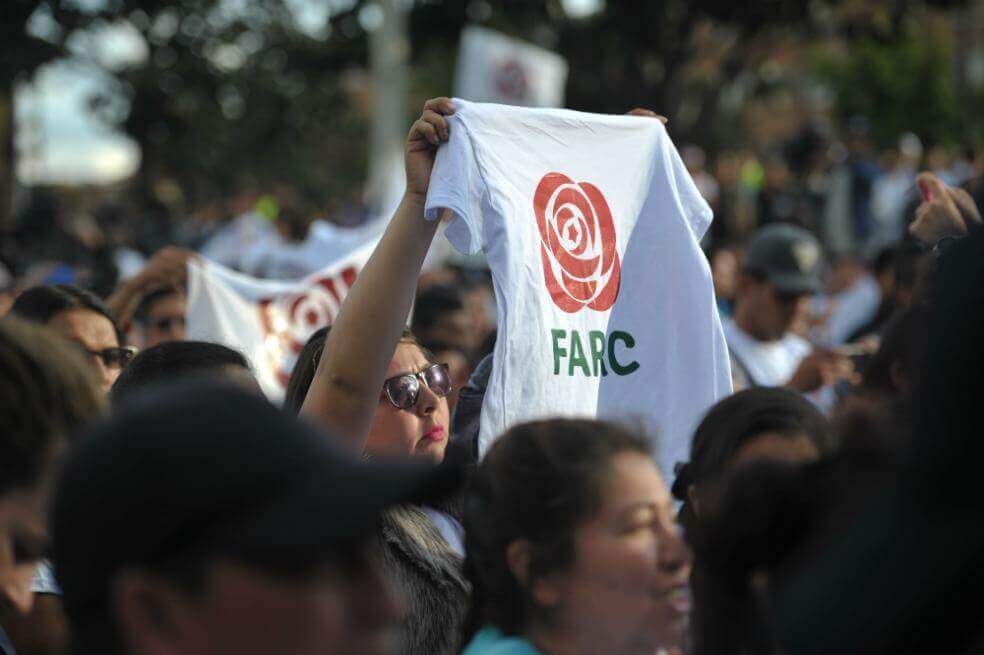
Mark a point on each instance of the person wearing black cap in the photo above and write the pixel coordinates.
(781, 268)
(203, 520)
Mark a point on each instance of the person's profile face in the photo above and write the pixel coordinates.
(93, 332)
(627, 591)
(419, 431)
(166, 320)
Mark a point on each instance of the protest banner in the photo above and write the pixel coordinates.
(268, 321)
(496, 68)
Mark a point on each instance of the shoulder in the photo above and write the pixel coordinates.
(491, 641)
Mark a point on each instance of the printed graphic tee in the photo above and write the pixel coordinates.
(590, 225)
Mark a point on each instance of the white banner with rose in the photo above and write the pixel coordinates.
(268, 321)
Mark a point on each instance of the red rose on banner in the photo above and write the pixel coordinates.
(581, 266)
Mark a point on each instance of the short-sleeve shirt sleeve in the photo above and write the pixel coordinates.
(696, 211)
(456, 184)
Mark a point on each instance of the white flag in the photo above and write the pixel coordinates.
(267, 321)
(496, 68)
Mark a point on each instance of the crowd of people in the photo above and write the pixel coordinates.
(154, 502)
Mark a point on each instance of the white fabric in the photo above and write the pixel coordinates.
(44, 580)
(268, 321)
(852, 308)
(767, 363)
(648, 342)
(449, 527)
(493, 67)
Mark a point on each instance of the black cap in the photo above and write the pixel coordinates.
(209, 471)
(787, 256)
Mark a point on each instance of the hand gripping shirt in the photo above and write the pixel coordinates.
(590, 225)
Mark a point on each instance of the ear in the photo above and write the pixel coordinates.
(152, 616)
(899, 379)
(544, 590)
(694, 499)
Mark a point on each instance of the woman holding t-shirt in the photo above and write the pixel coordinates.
(376, 386)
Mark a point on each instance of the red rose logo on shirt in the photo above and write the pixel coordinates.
(577, 244)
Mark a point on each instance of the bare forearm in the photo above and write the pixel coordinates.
(346, 386)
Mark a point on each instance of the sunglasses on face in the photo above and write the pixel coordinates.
(403, 391)
(117, 357)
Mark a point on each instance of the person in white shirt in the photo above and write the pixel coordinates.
(780, 270)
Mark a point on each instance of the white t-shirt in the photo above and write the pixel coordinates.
(765, 363)
(590, 225)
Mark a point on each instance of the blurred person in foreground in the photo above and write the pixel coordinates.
(171, 361)
(582, 557)
(81, 318)
(912, 554)
(48, 392)
(780, 270)
(202, 520)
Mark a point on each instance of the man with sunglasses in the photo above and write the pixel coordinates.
(82, 319)
(780, 270)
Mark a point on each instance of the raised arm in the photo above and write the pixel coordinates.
(348, 382)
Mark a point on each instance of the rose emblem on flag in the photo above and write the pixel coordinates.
(581, 266)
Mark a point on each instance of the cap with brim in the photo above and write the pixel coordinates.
(208, 471)
(788, 257)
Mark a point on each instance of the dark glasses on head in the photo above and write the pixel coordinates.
(403, 391)
(117, 357)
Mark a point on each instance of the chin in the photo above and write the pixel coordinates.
(433, 452)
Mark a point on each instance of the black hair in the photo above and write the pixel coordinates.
(740, 418)
(904, 342)
(46, 393)
(171, 360)
(303, 372)
(434, 302)
(538, 482)
(40, 304)
(307, 364)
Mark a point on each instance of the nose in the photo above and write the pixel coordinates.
(15, 588)
(428, 401)
(674, 554)
(107, 374)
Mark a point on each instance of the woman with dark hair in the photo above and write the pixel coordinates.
(763, 423)
(303, 371)
(82, 318)
(572, 546)
(754, 427)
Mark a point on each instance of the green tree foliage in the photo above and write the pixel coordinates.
(903, 84)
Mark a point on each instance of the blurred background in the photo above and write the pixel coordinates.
(129, 125)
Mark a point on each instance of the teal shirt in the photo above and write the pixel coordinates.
(491, 641)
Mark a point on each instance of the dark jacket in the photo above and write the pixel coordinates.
(423, 566)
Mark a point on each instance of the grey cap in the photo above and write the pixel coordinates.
(787, 256)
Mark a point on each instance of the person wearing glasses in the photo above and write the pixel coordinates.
(161, 315)
(374, 385)
(83, 319)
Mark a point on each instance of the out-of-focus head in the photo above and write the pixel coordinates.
(46, 393)
(161, 314)
(781, 267)
(440, 315)
(759, 424)
(570, 535)
(173, 360)
(894, 368)
(81, 317)
(193, 521)
(724, 272)
(303, 371)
